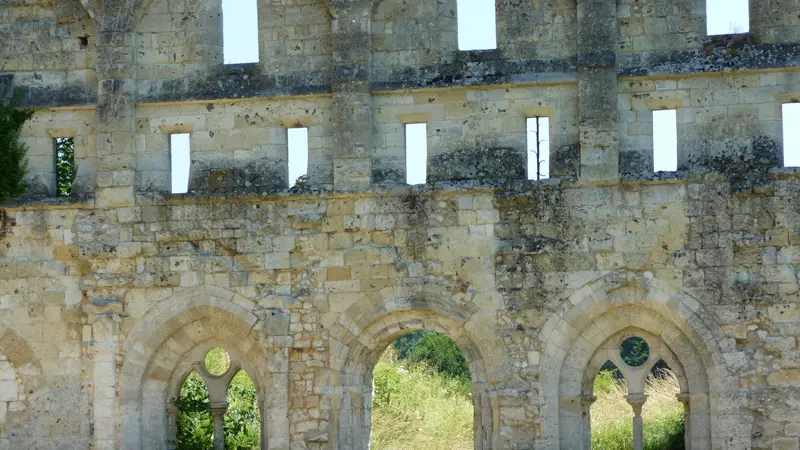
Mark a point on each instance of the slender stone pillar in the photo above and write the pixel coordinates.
(597, 90)
(352, 101)
(637, 402)
(687, 417)
(586, 428)
(172, 424)
(218, 411)
(101, 339)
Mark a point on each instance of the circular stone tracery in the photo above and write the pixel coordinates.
(634, 351)
(217, 361)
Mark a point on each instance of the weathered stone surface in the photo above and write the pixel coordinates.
(108, 299)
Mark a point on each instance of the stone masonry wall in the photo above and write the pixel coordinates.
(108, 299)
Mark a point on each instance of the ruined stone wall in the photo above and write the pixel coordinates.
(718, 118)
(109, 298)
(472, 134)
(50, 46)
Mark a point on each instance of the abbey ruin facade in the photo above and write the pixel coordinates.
(110, 297)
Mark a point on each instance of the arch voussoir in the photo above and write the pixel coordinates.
(617, 304)
(181, 329)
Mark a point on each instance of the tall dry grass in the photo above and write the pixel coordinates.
(612, 416)
(415, 408)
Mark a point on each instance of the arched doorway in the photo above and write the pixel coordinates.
(422, 395)
(360, 352)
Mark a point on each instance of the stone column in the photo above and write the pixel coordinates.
(172, 423)
(586, 428)
(597, 90)
(218, 411)
(116, 156)
(351, 103)
(101, 338)
(687, 417)
(637, 402)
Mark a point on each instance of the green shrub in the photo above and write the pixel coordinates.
(13, 160)
(435, 350)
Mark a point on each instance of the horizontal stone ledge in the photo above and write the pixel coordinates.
(713, 57)
(52, 96)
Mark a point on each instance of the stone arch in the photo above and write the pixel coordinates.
(20, 373)
(625, 301)
(360, 336)
(163, 348)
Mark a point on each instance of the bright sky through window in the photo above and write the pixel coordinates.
(542, 171)
(416, 153)
(476, 25)
(727, 17)
(179, 161)
(240, 31)
(665, 140)
(298, 153)
(791, 135)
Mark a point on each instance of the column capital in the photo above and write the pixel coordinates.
(219, 408)
(587, 400)
(637, 402)
(685, 399)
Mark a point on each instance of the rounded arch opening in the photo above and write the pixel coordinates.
(361, 348)
(422, 395)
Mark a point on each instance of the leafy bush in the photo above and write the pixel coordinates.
(435, 350)
(13, 160)
(195, 426)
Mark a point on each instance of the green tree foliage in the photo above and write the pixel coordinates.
(436, 351)
(65, 165)
(634, 351)
(13, 160)
(195, 426)
(242, 421)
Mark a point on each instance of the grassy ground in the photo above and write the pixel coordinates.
(415, 408)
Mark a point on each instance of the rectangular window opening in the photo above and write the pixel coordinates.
(727, 17)
(416, 153)
(180, 162)
(791, 134)
(239, 31)
(665, 140)
(298, 155)
(65, 166)
(538, 148)
(477, 25)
